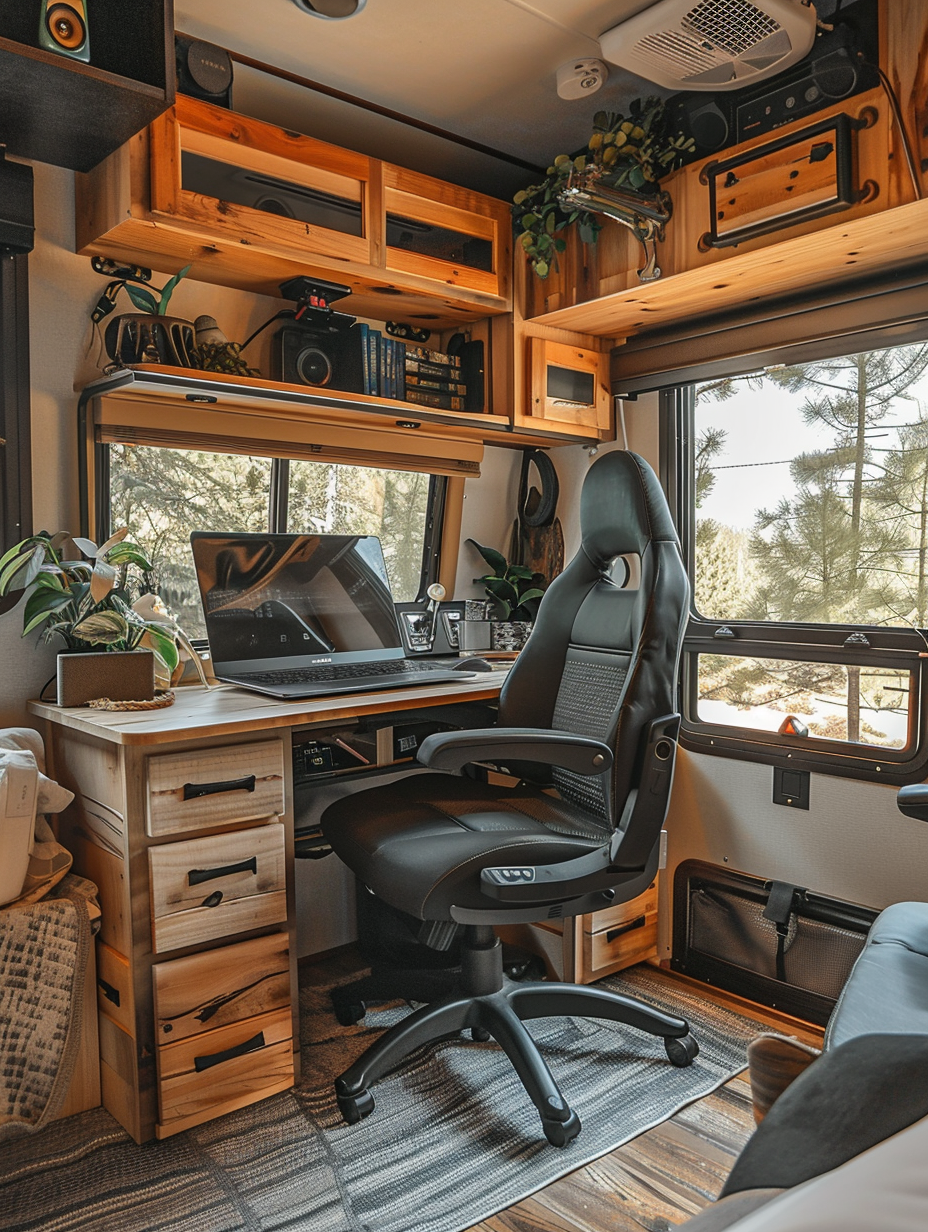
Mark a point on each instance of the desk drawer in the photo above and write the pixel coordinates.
(212, 887)
(210, 787)
(229, 1067)
(204, 991)
(623, 944)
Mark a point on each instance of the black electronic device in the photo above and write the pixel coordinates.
(17, 224)
(204, 71)
(313, 292)
(473, 665)
(320, 354)
(841, 63)
(64, 29)
(422, 635)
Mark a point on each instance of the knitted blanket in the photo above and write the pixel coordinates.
(43, 956)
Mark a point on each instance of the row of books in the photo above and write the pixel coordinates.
(408, 372)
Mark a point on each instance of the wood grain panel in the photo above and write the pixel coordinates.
(622, 946)
(184, 1092)
(115, 995)
(246, 899)
(218, 987)
(172, 776)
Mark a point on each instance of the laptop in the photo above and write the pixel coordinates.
(296, 616)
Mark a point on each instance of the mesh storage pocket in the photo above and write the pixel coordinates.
(722, 936)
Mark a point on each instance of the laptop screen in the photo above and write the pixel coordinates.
(274, 601)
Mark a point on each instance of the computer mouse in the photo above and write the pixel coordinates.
(473, 665)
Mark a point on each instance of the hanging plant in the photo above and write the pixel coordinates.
(629, 152)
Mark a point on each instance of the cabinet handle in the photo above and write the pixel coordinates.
(111, 993)
(196, 876)
(255, 1044)
(193, 791)
(614, 933)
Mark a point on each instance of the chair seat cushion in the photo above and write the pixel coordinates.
(421, 842)
(887, 990)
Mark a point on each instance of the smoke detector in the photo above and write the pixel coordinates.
(578, 78)
(711, 44)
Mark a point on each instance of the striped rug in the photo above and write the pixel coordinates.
(453, 1137)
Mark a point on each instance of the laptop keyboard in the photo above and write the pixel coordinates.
(342, 671)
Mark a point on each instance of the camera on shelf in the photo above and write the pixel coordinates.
(317, 346)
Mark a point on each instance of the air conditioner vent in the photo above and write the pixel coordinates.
(715, 44)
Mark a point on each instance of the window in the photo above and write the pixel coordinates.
(162, 494)
(809, 553)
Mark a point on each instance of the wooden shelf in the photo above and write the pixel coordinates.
(253, 396)
(882, 242)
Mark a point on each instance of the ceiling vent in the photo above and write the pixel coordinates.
(712, 44)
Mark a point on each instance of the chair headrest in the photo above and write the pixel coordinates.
(622, 508)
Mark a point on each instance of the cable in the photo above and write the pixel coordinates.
(903, 131)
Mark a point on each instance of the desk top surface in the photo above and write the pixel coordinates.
(226, 710)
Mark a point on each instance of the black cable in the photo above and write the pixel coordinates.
(903, 131)
(284, 314)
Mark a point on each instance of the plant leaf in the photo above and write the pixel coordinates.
(40, 605)
(115, 538)
(102, 628)
(10, 572)
(168, 290)
(102, 581)
(142, 299)
(496, 560)
(87, 546)
(160, 640)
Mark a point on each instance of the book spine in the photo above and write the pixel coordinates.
(401, 350)
(427, 382)
(390, 344)
(374, 352)
(427, 397)
(441, 372)
(364, 331)
(432, 357)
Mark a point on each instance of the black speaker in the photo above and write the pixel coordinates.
(203, 71)
(707, 120)
(319, 358)
(63, 28)
(17, 229)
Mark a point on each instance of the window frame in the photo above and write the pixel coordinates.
(797, 641)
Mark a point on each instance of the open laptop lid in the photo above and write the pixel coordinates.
(290, 601)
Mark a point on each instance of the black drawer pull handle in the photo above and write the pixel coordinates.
(111, 993)
(255, 1044)
(193, 791)
(614, 933)
(198, 875)
(212, 900)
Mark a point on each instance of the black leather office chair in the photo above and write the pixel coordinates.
(590, 701)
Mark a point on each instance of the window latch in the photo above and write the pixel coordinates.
(723, 631)
(857, 639)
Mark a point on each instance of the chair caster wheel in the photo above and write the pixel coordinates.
(479, 1035)
(351, 1013)
(682, 1051)
(355, 1107)
(559, 1133)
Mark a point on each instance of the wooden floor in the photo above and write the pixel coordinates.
(659, 1179)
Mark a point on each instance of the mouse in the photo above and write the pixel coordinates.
(473, 665)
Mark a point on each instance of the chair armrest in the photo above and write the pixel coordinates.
(453, 750)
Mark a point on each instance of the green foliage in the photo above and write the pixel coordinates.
(632, 152)
(145, 298)
(90, 600)
(514, 589)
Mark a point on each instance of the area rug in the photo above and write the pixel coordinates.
(453, 1137)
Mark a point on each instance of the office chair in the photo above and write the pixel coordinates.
(589, 703)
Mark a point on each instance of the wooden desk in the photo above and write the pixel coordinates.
(184, 819)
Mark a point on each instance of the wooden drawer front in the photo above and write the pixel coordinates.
(620, 946)
(205, 991)
(210, 787)
(235, 1064)
(211, 887)
(644, 904)
(114, 987)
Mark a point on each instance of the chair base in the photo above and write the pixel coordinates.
(491, 1005)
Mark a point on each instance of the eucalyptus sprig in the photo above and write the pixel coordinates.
(631, 152)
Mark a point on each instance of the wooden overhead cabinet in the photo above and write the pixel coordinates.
(250, 205)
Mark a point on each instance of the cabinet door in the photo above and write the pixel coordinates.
(568, 388)
(267, 189)
(446, 234)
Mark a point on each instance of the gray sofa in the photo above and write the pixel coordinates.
(843, 1148)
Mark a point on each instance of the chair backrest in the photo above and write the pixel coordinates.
(604, 654)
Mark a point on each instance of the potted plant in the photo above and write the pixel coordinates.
(617, 176)
(97, 601)
(148, 335)
(515, 592)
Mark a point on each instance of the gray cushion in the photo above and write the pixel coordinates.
(887, 990)
(728, 1211)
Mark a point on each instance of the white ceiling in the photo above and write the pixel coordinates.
(482, 69)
